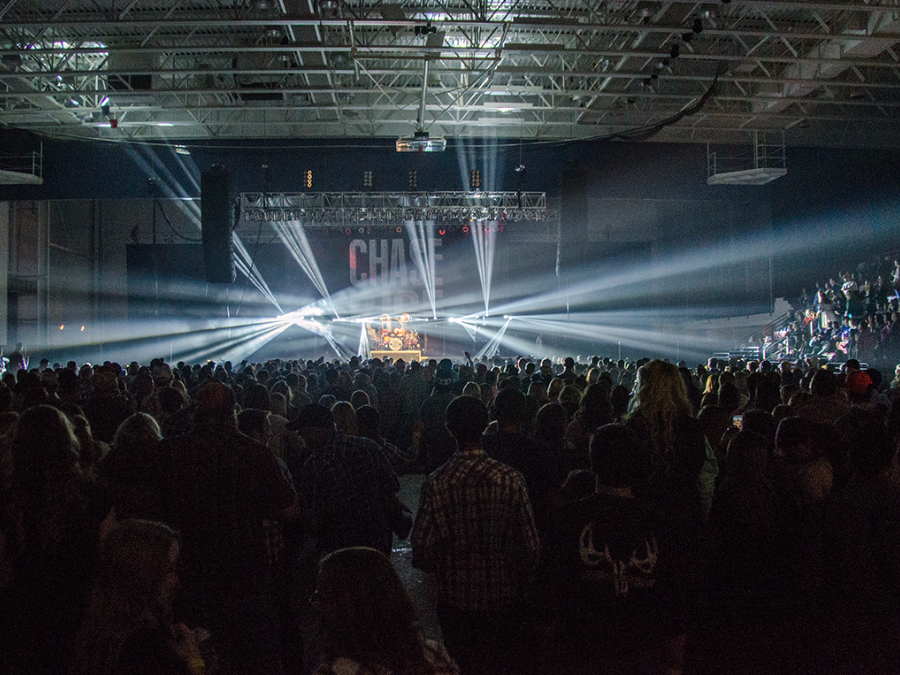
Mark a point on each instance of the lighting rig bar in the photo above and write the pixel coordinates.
(338, 209)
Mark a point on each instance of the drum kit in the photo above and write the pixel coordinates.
(399, 338)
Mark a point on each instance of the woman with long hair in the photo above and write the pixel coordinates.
(132, 469)
(684, 469)
(128, 626)
(369, 623)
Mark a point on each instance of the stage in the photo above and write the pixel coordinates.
(407, 355)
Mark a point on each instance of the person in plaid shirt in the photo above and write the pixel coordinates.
(348, 484)
(475, 531)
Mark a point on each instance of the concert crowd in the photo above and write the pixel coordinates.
(587, 516)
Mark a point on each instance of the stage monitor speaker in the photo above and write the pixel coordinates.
(216, 220)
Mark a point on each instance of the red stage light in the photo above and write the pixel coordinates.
(347, 231)
(442, 232)
(465, 229)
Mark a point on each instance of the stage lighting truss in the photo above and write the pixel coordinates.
(344, 209)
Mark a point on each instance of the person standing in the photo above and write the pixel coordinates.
(220, 486)
(475, 532)
(348, 484)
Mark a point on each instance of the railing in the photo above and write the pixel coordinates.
(30, 164)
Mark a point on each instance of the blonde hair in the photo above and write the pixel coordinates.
(662, 398)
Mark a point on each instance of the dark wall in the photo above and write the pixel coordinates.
(828, 190)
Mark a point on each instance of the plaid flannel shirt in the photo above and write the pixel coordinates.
(475, 530)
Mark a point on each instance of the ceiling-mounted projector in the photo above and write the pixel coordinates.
(420, 142)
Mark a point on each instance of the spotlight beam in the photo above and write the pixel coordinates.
(421, 239)
(678, 272)
(294, 237)
(485, 244)
(248, 268)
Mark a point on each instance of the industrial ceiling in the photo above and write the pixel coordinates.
(825, 73)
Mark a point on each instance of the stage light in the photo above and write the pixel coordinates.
(61, 326)
(687, 37)
(697, 26)
(442, 232)
(348, 231)
(675, 51)
(465, 229)
(399, 230)
(82, 329)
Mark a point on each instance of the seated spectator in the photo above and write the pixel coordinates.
(128, 627)
(369, 623)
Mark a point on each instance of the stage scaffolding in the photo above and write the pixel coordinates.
(340, 209)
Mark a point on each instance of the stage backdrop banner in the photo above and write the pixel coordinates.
(370, 274)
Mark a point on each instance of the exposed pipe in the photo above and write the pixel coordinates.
(420, 122)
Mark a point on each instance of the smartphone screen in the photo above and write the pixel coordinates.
(737, 420)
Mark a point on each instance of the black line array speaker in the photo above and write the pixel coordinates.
(217, 221)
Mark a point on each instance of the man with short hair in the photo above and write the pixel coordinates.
(435, 445)
(568, 374)
(475, 531)
(514, 448)
(349, 485)
(219, 486)
(616, 579)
